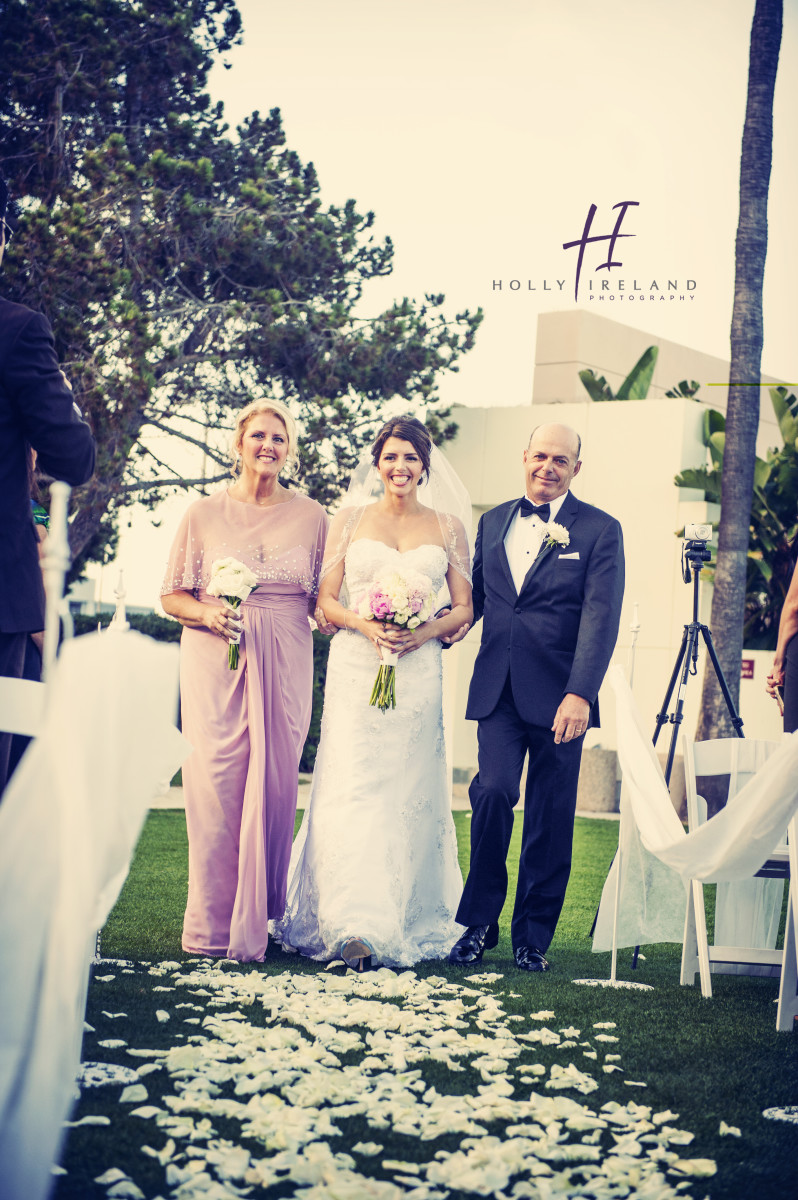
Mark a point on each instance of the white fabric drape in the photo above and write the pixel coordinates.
(69, 822)
(732, 846)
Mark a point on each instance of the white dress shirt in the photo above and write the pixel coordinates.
(523, 540)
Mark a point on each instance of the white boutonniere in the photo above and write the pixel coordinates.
(555, 534)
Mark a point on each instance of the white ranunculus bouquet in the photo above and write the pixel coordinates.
(401, 597)
(232, 582)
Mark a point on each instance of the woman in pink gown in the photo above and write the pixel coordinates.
(247, 726)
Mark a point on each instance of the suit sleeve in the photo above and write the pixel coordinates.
(477, 582)
(47, 414)
(601, 614)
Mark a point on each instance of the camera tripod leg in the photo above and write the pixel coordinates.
(734, 716)
(662, 715)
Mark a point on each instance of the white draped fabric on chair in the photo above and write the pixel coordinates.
(69, 822)
(658, 858)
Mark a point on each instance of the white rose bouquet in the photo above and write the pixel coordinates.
(232, 582)
(402, 598)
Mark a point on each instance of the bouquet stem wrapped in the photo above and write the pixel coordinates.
(232, 647)
(383, 694)
(232, 582)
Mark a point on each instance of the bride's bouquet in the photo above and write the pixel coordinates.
(231, 581)
(403, 598)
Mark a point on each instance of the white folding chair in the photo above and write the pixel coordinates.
(747, 912)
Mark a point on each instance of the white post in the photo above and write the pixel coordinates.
(634, 629)
(55, 565)
(119, 622)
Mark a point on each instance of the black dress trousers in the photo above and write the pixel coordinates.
(547, 837)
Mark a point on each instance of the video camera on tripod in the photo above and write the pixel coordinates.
(695, 552)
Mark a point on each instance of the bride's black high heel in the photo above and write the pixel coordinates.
(357, 953)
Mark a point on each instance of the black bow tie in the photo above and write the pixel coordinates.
(526, 508)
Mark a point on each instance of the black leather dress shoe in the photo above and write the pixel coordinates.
(471, 945)
(529, 958)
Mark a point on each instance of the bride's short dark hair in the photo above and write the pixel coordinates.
(409, 429)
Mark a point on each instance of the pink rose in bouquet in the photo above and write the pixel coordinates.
(404, 598)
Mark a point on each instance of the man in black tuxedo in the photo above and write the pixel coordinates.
(548, 578)
(36, 409)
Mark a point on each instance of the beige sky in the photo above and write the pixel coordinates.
(480, 133)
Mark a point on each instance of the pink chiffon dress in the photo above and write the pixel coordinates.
(247, 726)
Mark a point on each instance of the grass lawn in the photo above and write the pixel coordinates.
(707, 1061)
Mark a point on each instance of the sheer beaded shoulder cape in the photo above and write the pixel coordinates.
(283, 544)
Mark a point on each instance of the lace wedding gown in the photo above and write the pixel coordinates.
(376, 855)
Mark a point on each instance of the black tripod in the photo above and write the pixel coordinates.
(694, 555)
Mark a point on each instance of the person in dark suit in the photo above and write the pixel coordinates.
(36, 409)
(548, 580)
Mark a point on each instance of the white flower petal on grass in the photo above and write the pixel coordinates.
(148, 1053)
(569, 1044)
(134, 1093)
(112, 1043)
(485, 977)
(162, 1015)
(571, 1077)
(633, 1082)
(605, 1037)
(612, 1058)
(393, 1164)
(729, 1130)
(125, 1189)
(113, 1016)
(56, 1170)
(147, 1112)
(103, 978)
(87, 1028)
(544, 1036)
(112, 1175)
(545, 1014)
(604, 1025)
(87, 1121)
(570, 1032)
(532, 1069)
(608, 1068)
(698, 1167)
(369, 1149)
(589, 1054)
(163, 1155)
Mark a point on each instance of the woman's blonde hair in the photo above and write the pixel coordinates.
(256, 408)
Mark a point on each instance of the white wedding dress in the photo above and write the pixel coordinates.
(376, 856)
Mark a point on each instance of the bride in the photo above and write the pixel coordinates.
(374, 872)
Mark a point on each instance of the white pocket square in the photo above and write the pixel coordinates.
(573, 554)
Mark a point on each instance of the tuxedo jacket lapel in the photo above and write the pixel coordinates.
(502, 534)
(565, 517)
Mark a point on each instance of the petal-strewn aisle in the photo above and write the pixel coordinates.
(297, 1081)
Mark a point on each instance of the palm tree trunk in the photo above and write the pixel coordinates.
(742, 415)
